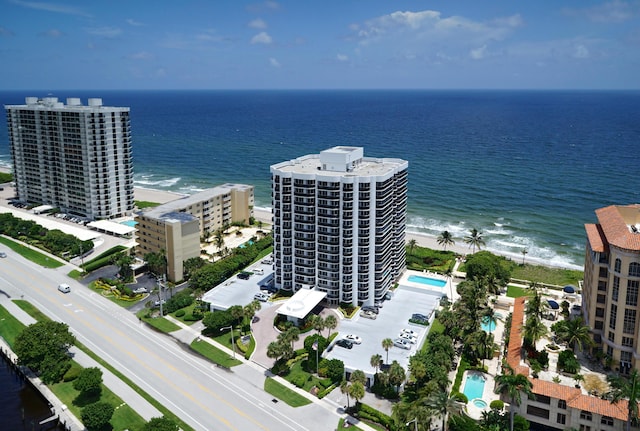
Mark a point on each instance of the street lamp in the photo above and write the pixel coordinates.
(415, 423)
(233, 343)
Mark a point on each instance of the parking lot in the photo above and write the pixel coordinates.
(393, 317)
(238, 290)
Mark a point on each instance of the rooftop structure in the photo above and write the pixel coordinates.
(339, 224)
(74, 157)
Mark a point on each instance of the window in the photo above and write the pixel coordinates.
(618, 265)
(585, 428)
(634, 269)
(562, 404)
(599, 312)
(627, 341)
(606, 420)
(632, 292)
(585, 415)
(562, 418)
(612, 336)
(616, 288)
(598, 324)
(613, 315)
(537, 411)
(601, 299)
(629, 325)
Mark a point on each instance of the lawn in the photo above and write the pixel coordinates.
(436, 328)
(188, 311)
(547, 275)
(32, 311)
(31, 254)
(285, 394)
(160, 323)
(297, 374)
(146, 204)
(422, 258)
(517, 291)
(214, 354)
(10, 326)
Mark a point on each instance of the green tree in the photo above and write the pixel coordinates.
(157, 263)
(411, 245)
(387, 343)
(89, 381)
(356, 390)
(97, 415)
(291, 335)
(445, 239)
(534, 329)
(331, 323)
(358, 376)
(626, 389)
(218, 240)
(474, 239)
(513, 385)
(44, 347)
(123, 261)
(397, 375)
(524, 253)
(160, 424)
(213, 321)
(443, 405)
(344, 388)
(574, 332)
(375, 362)
(191, 265)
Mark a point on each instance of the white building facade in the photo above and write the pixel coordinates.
(339, 222)
(74, 157)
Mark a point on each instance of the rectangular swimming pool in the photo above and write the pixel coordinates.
(427, 281)
(473, 386)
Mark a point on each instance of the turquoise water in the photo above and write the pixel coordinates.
(427, 280)
(474, 386)
(481, 404)
(488, 326)
(130, 223)
(243, 245)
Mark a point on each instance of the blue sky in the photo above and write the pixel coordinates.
(331, 44)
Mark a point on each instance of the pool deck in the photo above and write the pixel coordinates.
(448, 289)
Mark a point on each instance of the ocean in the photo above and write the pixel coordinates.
(527, 168)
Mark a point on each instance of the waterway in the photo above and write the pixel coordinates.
(21, 406)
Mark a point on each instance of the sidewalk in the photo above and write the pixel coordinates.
(188, 333)
(117, 386)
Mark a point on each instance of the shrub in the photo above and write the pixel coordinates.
(369, 413)
(567, 362)
(72, 374)
(323, 393)
(180, 313)
(459, 396)
(497, 404)
(193, 317)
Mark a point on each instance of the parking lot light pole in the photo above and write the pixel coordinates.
(233, 343)
(415, 423)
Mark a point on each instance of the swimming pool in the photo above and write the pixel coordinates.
(130, 223)
(474, 386)
(427, 280)
(489, 326)
(244, 244)
(481, 404)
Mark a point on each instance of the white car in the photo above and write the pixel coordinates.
(409, 338)
(368, 314)
(140, 290)
(261, 296)
(157, 303)
(410, 332)
(403, 344)
(353, 338)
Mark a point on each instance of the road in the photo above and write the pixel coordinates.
(205, 397)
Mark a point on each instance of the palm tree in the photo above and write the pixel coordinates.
(387, 343)
(290, 336)
(331, 323)
(375, 362)
(513, 385)
(445, 239)
(534, 329)
(218, 240)
(344, 388)
(443, 405)
(358, 376)
(411, 245)
(397, 375)
(356, 390)
(524, 252)
(626, 389)
(474, 239)
(575, 333)
(317, 322)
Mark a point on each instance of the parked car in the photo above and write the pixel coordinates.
(353, 338)
(368, 314)
(377, 304)
(344, 343)
(258, 271)
(410, 332)
(140, 290)
(244, 276)
(371, 308)
(3, 254)
(420, 318)
(401, 343)
(157, 303)
(408, 337)
(262, 296)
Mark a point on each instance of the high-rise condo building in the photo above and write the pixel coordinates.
(339, 224)
(74, 157)
(611, 284)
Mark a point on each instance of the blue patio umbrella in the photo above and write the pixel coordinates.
(553, 304)
(569, 289)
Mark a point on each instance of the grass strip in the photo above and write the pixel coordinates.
(162, 409)
(285, 394)
(214, 354)
(517, 291)
(10, 327)
(160, 323)
(30, 254)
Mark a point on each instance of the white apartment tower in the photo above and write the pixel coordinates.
(74, 157)
(339, 224)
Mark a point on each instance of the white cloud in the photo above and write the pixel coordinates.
(342, 57)
(107, 32)
(478, 53)
(273, 62)
(51, 7)
(52, 33)
(262, 37)
(258, 23)
(581, 51)
(134, 23)
(142, 55)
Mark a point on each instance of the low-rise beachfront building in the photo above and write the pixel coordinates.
(339, 224)
(175, 228)
(73, 157)
(611, 284)
(559, 406)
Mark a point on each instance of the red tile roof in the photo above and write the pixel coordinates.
(596, 238)
(615, 228)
